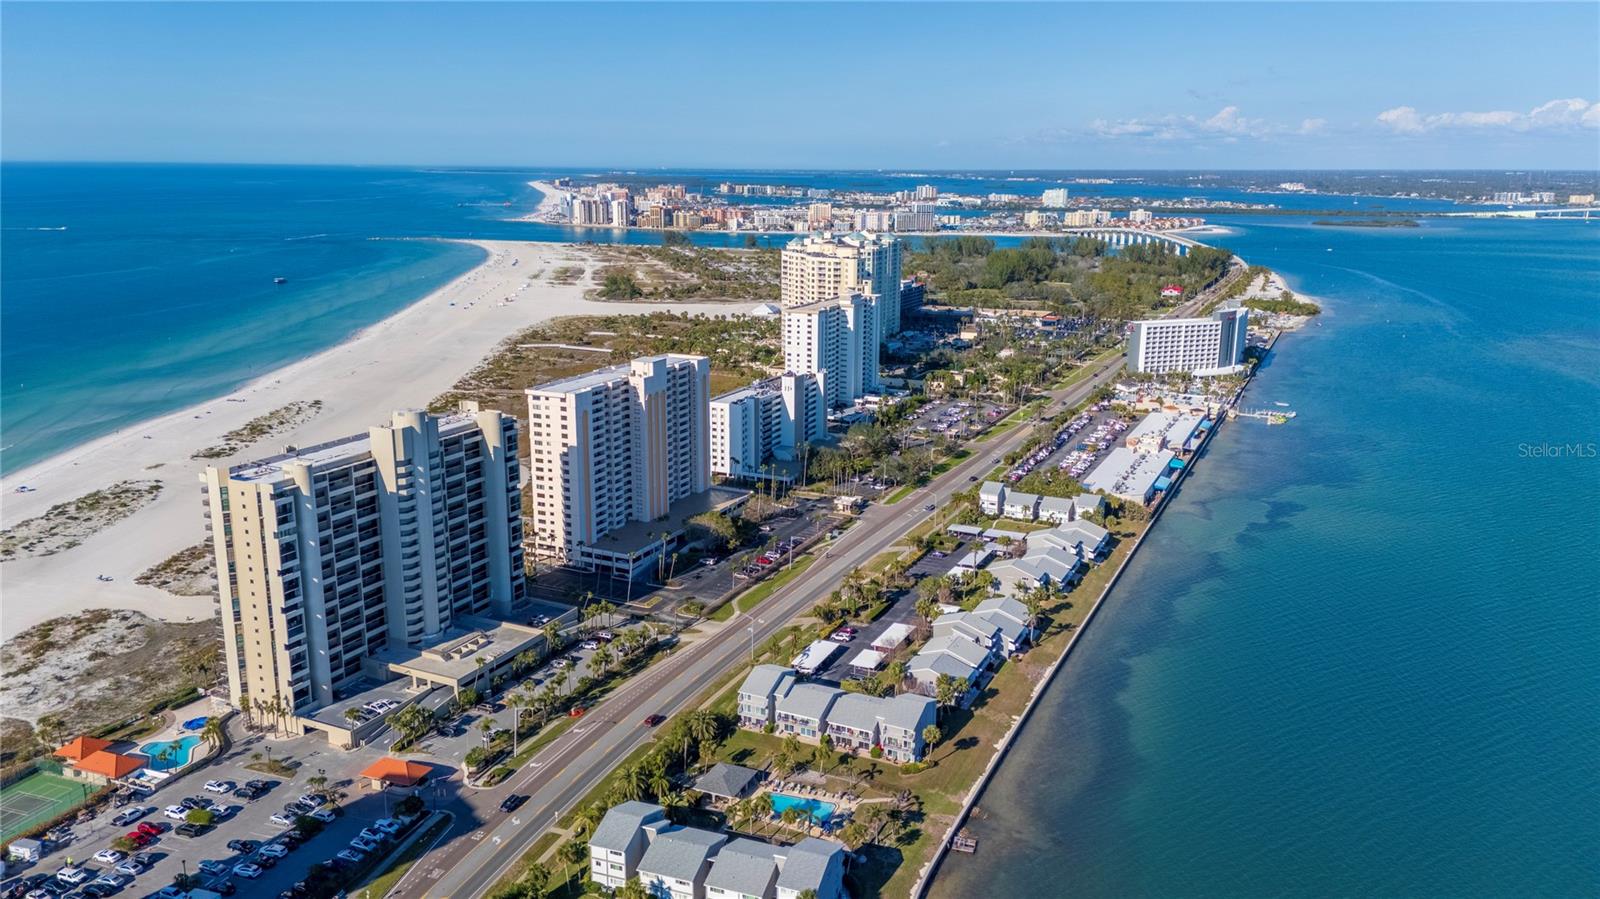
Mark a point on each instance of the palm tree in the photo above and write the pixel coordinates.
(761, 806)
(213, 733)
(947, 690)
(675, 803)
(896, 673)
(631, 782)
(352, 715)
(704, 726)
(931, 735)
(633, 889)
(792, 816)
(552, 638)
(50, 729)
(597, 664)
(487, 727)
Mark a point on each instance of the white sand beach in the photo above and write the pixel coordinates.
(403, 361)
(549, 209)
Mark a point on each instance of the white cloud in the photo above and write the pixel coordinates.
(1556, 114)
(1312, 126)
(1226, 124)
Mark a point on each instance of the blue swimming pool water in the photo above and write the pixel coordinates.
(819, 811)
(196, 723)
(179, 756)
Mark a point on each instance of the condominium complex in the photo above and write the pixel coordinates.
(825, 266)
(767, 420)
(836, 340)
(614, 446)
(1202, 346)
(331, 554)
(1054, 198)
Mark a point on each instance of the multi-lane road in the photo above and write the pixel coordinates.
(487, 843)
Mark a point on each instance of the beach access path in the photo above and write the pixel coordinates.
(403, 361)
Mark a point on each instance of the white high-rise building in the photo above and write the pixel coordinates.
(619, 211)
(330, 554)
(1054, 198)
(837, 341)
(589, 210)
(1202, 346)
(614, 446)
(767, 420)
(1141, 217)
(825, 267)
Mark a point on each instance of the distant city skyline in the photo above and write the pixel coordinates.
(1253, 85)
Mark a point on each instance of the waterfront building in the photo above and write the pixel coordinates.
(619, 211)
(1036, 220)
(837, 341)
(1201, 346)
(768, 420)
(635, 839)
(874, 220)
(819, 215)
(825, 267)
(590, 210)
(772, 697)
(908, 220)
(625, 444)
(655, 217)
(1141, 217)
(1046, 561)
(1130, 474)
(332, 557)
(1054, 198)
(926, 192)
(913, 294)
(1086, 218)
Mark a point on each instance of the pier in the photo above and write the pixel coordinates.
(1270, 416)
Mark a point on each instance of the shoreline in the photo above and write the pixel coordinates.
(930, 870)
(360, 381)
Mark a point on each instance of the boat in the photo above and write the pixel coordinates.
(280, 280)
(1281, 404)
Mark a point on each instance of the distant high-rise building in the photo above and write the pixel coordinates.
(619, 212)
(1141, 217)
(1201, 346)
(1054, 198)
(331, 554)
(765, 421)
(836, 340)
(613, 446)
(588, 210)
(825, 267)
(926, 192)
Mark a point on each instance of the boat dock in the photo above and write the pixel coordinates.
(1270, 416)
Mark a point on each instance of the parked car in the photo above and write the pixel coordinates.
(218, 786)
(139, 838)
(72, 874)
(281, 819)
(225, 887)
(113, 880)
(224, 812)
(153, 828)
(187, 829)
(605, 636)
(249, 792)
(361, 845)
(243, 847)
(132, 867)
(109, 856)
(353, 856)
(325, 815)
(129, 815)
(391, 827)
(175, 812)
(510, 803)
(213, 867)
(373, 835)
(247, 870)
(97, 890)
(590, 645)
(273, 850)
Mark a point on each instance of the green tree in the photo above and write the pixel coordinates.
(947, 690)
(931, 736)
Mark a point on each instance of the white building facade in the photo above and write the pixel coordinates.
(765, 421)
(825, 267)
(614, 446)
(1202, 346)
(837, 341)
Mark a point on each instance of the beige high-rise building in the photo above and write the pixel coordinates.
(836, 340)
(615, 446)
(331, 554)
(826, 267)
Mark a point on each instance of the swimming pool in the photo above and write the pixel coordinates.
(168, 755)
(196, 723)
(819, 811)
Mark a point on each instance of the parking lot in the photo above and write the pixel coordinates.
(1077, 448)
(956, 418)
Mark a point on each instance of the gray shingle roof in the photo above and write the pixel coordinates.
(680, 852)
(617, 828)
(744, 866)
(807, 864)
(763, 679)
(907, 711)
(729, 781)
(807, 700)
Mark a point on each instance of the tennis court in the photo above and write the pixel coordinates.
(38, 798)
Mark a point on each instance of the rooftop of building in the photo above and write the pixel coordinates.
(621, 822)
(743, 867)
(341, 449)
(452, 657)
(680, 852)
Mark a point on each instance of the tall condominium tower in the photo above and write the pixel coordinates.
(837, 341)
(825, 266)
(1202, 346)
(615, 446)
(329, 554)
(767, 420)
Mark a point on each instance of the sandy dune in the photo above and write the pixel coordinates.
(403, 361)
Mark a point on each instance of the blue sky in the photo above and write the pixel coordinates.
(1126, 85)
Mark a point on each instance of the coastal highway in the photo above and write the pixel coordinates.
(488, 843)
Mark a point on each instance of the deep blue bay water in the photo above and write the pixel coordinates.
(1360, 653)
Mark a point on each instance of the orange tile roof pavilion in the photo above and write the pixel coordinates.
(109, 764)
(82, 747)
(399, 772)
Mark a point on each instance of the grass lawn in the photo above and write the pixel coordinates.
(752, 597)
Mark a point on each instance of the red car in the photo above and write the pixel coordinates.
(139, 839)
(653, 720)
(149, 828)
(576, 712)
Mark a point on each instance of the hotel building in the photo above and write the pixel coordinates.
(825, 266)
(612, 447)
(1202, 346)
(836, 340)
(767, 420)
(1054, 198)
(330, 555)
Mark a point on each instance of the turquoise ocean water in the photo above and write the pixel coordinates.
(1360, 655)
